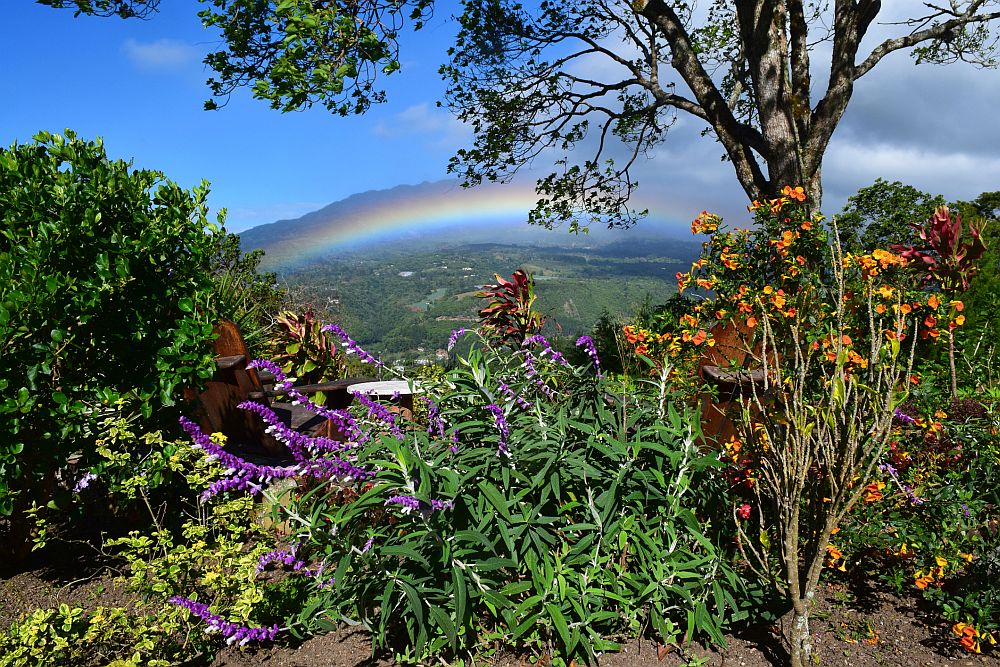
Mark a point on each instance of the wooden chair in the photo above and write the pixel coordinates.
(234, 383)
(724, 367)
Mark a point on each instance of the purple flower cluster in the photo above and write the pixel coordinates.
(588, 345)
(903, 417)
(233, 632)
(519, 400)
(285, 557)
(379, 412)
(413, 503)
(539, 339)
(84, 482)
(289, 558)
(304, 448)
(501, 424)
(435, 422)
(531, 372)
(907, 489)
(342, 419)
(352, 345)
(243, 475)
(453, 338)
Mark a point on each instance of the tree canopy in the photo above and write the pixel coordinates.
(607, 77)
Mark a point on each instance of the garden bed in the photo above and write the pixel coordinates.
(852, 626)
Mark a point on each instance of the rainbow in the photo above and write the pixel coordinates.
(411, 211)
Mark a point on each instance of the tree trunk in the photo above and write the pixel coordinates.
(800, 639)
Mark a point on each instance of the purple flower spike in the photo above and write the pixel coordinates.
(412, 503)
(539, 339)
(280, 379)
(501, 424)
(453, 338)
(519, 400)
(243, 475)
(588, 345)
(233, 632)
(352, 345)
(379, 412)
(435, 422)
(903, 417)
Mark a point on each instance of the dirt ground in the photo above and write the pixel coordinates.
(852, 628)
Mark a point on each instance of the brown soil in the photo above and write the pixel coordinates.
(858, 629)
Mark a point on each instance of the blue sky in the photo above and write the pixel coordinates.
(140, 85)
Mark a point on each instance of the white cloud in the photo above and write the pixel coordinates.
(162, 54)
(436, 125)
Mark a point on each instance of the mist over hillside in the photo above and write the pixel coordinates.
(399, 268)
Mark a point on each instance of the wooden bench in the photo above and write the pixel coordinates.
(233, 383)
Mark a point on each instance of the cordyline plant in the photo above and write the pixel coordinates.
(949, 259)
(303, 349)
(509, 316)
(832, 340)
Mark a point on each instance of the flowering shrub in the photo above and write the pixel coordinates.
(531, 509)
(934, 528)
(831, 338)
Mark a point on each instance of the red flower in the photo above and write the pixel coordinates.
(743, 511)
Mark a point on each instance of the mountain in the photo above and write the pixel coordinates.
(399, 268)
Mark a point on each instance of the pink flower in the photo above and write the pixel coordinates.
(743, 511)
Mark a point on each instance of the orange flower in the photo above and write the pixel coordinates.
(880, 308)
(933, 301)
(751, 321)
(958, 305)
(796, 193)
(806, 226)
(874, 491)
(922, 581)
(700, 337)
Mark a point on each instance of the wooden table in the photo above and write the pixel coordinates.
(398, 391)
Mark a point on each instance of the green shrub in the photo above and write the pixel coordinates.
(104, 280)
(536, 510)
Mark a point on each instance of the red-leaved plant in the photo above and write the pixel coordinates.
(303, 349)
(949, 258)
(509, 315)
(950, 254)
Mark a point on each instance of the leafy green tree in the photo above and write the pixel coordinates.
(882, 214)
(548, 76)
(530, 79)
(105, 279)
(293, 53)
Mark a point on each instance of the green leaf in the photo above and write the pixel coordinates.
(559, 622)
(185, 304)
